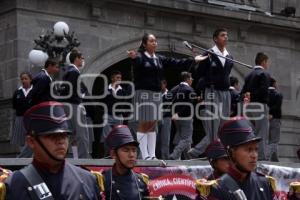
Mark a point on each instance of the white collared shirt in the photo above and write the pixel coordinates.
(75, 67)
(47, 74)
(165, 92)
(271, 88)
(185, 83)
(115, 90)
(218, 52)
(25, 92)
(153, 56)
(258, 67)
(231, 88)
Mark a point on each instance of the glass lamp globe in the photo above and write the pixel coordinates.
(37, 57)
(60, 28)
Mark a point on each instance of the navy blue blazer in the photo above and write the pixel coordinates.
(211, 72)
(275, 102)
(21, 103)
(72, 76)
(183, 94)
(257, 83)
(41, 88)
(148, 76)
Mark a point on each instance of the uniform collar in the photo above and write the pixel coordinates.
(149, 56)
(25, 92)
(165, 92)
(47, 74)
(272, 88)
(75, 67)
(184, 83)
(231, 88)
(258, 67)
(44, 166)
(236, 174)
(116, 173)
(217, 51)
(114, 89)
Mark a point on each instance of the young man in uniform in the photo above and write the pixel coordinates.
(121, 182)
(213, 78)
(218, 159)
(78, 119)
(241, 182)
(50, 176)
(275, 103)
(256, 84)
(41, 90)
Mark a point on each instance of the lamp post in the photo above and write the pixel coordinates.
(54, 44)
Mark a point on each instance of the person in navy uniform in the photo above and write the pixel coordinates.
(115, 94)
(212, 77)
(50, 176)
(256, 86)
(121, 182)
(148, 69)
(234, 90)
(218, 159)
(275, 103)
(241, 182)
(184, 98)
(80, 130)
(21, 103)
(42, 81)
(165, 125)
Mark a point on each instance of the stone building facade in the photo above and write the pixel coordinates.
(107, 28)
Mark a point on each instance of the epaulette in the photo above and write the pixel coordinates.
(2, 191)
(4, 174)
(204, 186)
(145, 178)
(295, 187)
(272, 182)
(100, 180)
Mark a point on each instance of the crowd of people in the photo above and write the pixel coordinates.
(213, 97)
(241, 127)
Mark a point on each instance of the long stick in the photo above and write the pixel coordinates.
(190, 46)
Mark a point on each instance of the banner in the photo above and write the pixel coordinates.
(178, 183)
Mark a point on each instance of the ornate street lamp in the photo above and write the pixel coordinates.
(54, 44)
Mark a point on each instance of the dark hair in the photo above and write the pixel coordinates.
(185, 76)
(74, 54)
(50, 61)
(164, 81)
(114, 73)
(272, 81)
(26, 73)
(260, 57)
(144, 42)
(218, 31)
(233, 80)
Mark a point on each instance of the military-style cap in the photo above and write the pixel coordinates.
(120, 135)
(46, 118)
(237, 131)
(215, 150)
